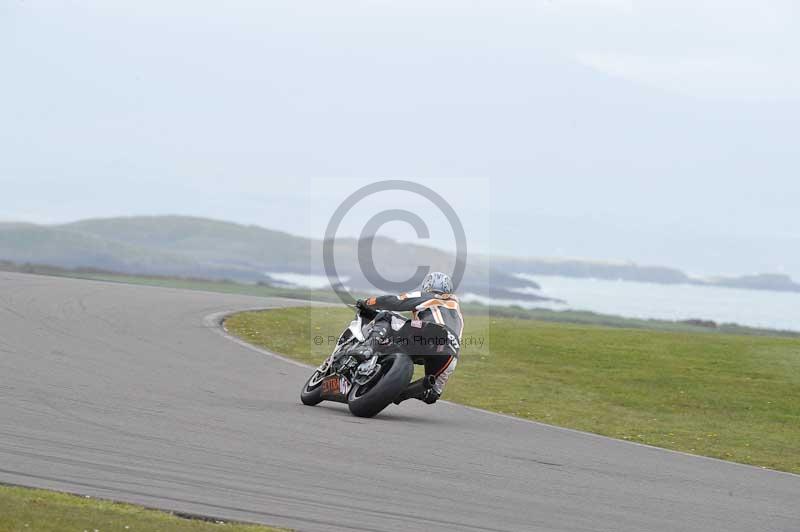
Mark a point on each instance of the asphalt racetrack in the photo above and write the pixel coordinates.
(133, 393)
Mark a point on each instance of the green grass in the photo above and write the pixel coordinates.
(727, 396)
(30, 510)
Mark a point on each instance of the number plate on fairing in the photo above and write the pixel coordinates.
(336, 388)
(330, 385)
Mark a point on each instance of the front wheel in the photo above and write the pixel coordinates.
(312, 390)
(366, 400)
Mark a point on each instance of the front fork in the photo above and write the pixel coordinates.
(366, 370)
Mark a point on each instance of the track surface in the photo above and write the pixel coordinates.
(125, 392)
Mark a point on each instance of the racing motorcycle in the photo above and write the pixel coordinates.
(368, 381)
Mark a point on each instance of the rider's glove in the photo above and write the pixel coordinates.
(364, 304)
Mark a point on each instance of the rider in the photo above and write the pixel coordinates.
(434, 303)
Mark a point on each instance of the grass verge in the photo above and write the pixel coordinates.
(727, 396)
(32, 510)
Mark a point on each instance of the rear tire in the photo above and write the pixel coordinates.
(311, 395)
(392, 381)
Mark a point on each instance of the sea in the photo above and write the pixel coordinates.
(630, 299)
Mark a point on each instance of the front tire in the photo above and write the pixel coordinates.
(312, 394)
(369, 399)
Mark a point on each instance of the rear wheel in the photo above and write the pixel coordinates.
(312, 390)
(366, 400)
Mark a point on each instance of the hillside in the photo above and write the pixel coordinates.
(28, 243)
(639, 273)
(246, 251)
(199, 247)
(592, 269)
(775, 282)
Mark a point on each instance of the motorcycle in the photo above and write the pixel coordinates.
(368, 381)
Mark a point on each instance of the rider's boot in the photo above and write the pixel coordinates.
(430, 396)
(421, 389)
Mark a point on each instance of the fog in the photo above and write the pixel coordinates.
(607, 129)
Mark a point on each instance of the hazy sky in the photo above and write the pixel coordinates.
(658, 132)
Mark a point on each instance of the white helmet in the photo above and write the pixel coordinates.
(437, 282)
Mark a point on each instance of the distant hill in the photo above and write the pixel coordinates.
(640, 273)
(591, 269)
(65, 248)
(243, 251)
(200, 247)
(764, 281)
